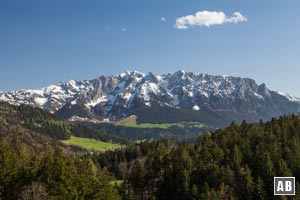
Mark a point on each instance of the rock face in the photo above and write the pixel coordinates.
(186, 95)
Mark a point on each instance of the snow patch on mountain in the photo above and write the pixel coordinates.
(259, 96)
(40, 101)
(118, 94)
(195, 107)
(289, 97)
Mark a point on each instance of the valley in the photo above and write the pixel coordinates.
(142, 136)
(183, 160)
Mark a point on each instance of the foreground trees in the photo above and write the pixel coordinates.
(26, 174)
(238, 162)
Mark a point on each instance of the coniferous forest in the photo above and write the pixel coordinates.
(238, 162)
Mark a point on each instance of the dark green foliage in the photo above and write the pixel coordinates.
(238, 162)
(84, 131)
(186, 132)
(34, 165)
(158, 114)
(36, 120)
(50, 175)
(39, 121)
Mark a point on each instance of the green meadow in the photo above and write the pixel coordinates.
(131, 122)
(90, 144)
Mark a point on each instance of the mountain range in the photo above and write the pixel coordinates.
(181, 96)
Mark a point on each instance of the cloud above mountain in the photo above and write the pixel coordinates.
(207, 19)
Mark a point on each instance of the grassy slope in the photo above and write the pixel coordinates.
(89, 144)
(128, 121)
(117, 182)
(131, 122)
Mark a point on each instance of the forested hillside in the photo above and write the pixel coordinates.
(178, 131)
(29, 173)
(40, 121)
(35, 165)
(238, 162)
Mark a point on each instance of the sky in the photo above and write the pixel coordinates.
(46, 41)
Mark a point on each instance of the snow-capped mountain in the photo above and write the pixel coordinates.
(187, 95)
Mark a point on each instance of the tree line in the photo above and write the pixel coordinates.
(29, 174)
(36, 119)
(238, 162)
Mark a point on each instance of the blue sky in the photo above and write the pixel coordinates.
(46, 41)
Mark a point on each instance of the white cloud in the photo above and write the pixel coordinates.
(236, 18)
(163, 19)
(207, 18)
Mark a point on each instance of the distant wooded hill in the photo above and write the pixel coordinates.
(238, 162)
(39, 121)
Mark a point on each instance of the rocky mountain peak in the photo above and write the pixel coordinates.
(124, 94)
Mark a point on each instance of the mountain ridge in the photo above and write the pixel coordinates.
(108, 98)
